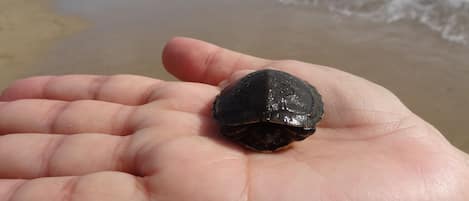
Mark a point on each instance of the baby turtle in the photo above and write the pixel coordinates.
(267, 110)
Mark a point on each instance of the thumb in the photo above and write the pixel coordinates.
(198, 61)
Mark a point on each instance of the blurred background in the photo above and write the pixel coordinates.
(419, 49)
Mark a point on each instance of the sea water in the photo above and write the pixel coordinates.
(450, 18)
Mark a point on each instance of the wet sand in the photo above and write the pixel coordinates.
(27, 29)
(430, 75)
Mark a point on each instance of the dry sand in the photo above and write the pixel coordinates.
(27, 29)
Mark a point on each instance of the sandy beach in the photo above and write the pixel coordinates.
(429, 74)
(27, 29)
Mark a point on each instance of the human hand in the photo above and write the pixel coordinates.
(82, 137)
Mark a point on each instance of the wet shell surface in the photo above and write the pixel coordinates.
(267, 110)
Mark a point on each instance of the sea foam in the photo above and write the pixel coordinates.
(450, 18)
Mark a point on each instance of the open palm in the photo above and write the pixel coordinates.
(83, 137)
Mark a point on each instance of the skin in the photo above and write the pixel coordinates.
(126, 137)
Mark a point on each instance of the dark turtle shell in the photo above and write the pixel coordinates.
(267, 110)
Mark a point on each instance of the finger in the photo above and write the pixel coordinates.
(112, 186)
(81, 87)
(184, 96)
(123, 89)
(234, 77)
(8, 187)
(47, 116)
(43, 155)
(194, 60)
